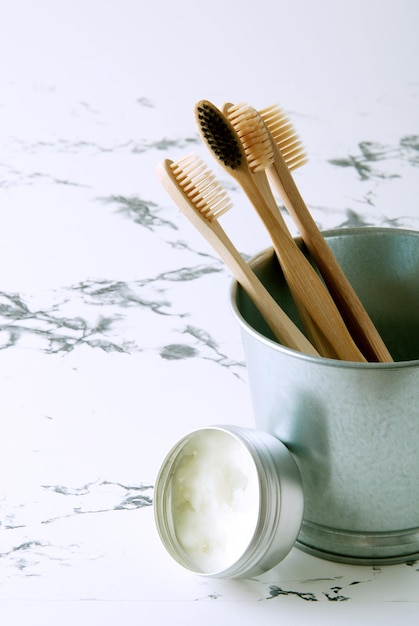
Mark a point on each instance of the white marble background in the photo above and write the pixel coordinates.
(116, 335)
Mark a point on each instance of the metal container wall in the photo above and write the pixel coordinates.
(353, 428)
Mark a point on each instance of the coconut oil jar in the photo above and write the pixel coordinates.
(228, 502)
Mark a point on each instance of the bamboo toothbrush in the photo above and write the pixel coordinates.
(202, 200)
(313, 332)
(288, 149)
(246, 159)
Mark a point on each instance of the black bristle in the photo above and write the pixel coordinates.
(219, 136)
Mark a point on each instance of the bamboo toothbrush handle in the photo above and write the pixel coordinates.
(284, 329)
(315, 335)
(281, 325)
(352, 310)
(299, 273)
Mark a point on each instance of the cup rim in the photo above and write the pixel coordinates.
(329, 233)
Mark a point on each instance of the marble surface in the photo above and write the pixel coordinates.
(116, 333)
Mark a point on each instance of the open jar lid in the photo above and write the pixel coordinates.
(228, 502)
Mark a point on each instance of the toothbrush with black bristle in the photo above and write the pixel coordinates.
(202, 200)
(247, 158)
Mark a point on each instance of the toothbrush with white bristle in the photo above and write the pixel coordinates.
(202, 200)
(288, 152)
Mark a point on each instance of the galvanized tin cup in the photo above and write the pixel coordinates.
(353, 428)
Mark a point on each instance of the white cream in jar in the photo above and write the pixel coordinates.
(214, 500)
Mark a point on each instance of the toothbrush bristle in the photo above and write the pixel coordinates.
(285, 136)
(218, 134)
(253, 134)
(200, 187)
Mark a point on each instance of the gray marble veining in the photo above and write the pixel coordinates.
(116, 335)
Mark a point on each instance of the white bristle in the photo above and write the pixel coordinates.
(201, 187)
(285, 136)
(253, 134)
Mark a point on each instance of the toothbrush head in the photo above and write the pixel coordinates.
(219, 135)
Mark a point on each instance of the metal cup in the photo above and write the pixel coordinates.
(353, 428)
